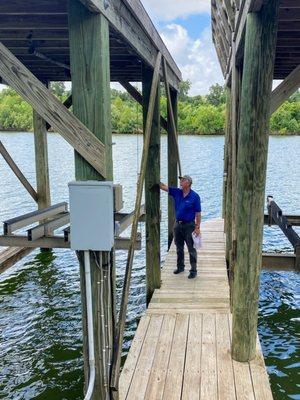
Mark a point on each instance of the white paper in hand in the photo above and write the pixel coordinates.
(197, 241)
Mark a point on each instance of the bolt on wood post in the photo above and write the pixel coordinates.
(41, 161)
(152, 192)
(259, 55)
(90, 70)
(172, 164)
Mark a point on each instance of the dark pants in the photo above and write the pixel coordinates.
(183, 233)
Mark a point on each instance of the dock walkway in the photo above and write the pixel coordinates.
(181, 349)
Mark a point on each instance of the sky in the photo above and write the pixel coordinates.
(185, 28)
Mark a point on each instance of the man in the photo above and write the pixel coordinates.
(188, 218)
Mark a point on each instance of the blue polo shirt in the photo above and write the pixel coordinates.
(185, 207)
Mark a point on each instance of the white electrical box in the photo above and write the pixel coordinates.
(91, 215)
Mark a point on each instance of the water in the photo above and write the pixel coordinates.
(40, 314)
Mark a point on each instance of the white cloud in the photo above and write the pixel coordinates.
(167, 10)
(197, 59)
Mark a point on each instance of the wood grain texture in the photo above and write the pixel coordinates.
(140, 185)
(152, 192)
(51, 109)
(172, 164)
(41, 161)
(260, 44)
(191, 354)
(90, 70)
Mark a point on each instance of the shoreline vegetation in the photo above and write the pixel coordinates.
(197, 115)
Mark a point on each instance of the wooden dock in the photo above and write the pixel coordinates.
(182, 347)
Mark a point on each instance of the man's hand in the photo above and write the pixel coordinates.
(197, 231)
(163, 187)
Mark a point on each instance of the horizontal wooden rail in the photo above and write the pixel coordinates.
(125, 222)
(292, 219)
(10, 256)
(13, 224)
(279, 261)
(283, 223)
(16, 170)
(53, 242)
(47, 228)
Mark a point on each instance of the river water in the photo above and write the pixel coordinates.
(40, 314)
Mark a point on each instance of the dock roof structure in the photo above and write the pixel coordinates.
(229, 22)
(37, 33)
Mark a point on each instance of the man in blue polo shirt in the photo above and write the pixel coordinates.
(188, 219)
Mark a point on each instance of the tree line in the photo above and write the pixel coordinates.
(197, 115)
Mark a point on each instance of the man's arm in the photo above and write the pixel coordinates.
(198, 222)
(164, 187)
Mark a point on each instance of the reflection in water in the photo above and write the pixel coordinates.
(40, 314)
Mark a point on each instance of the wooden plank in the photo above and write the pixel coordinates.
(174, 378)
(47, 228)
(192, 371)
(209, 379)
(259, 375)
(126, 221)
(13, 224)
(41, 161)
(172, 164)
(128, 271)
(152, 192)
(18, 172)
(133, 357)
(158, 374)
(286, 88)
(140, 380)
(51, 109)
(279, 261)
(226, 384)
(12, 255)
(45, 243)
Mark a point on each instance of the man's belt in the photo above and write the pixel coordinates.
(184, 222)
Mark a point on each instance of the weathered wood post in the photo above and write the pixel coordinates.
(260, 42)
(90, 67)
(41, 161)
(172, 163)
(228, 201)
(152, 192)
(225, 168)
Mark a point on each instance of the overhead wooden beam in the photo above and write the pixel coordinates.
(139, 98)
(124, 222)
(125, 21)
(10, 256)
(52, 110)
(286, 88)
(5, 154)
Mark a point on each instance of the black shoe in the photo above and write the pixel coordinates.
(192, 274)
(178, 270)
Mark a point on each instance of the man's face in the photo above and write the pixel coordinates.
(184, 183)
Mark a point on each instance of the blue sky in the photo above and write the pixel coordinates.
(185, 27)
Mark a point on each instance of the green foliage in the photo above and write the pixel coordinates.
(216, 95)
(198, 115)
(287, 118)
(15, 114)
